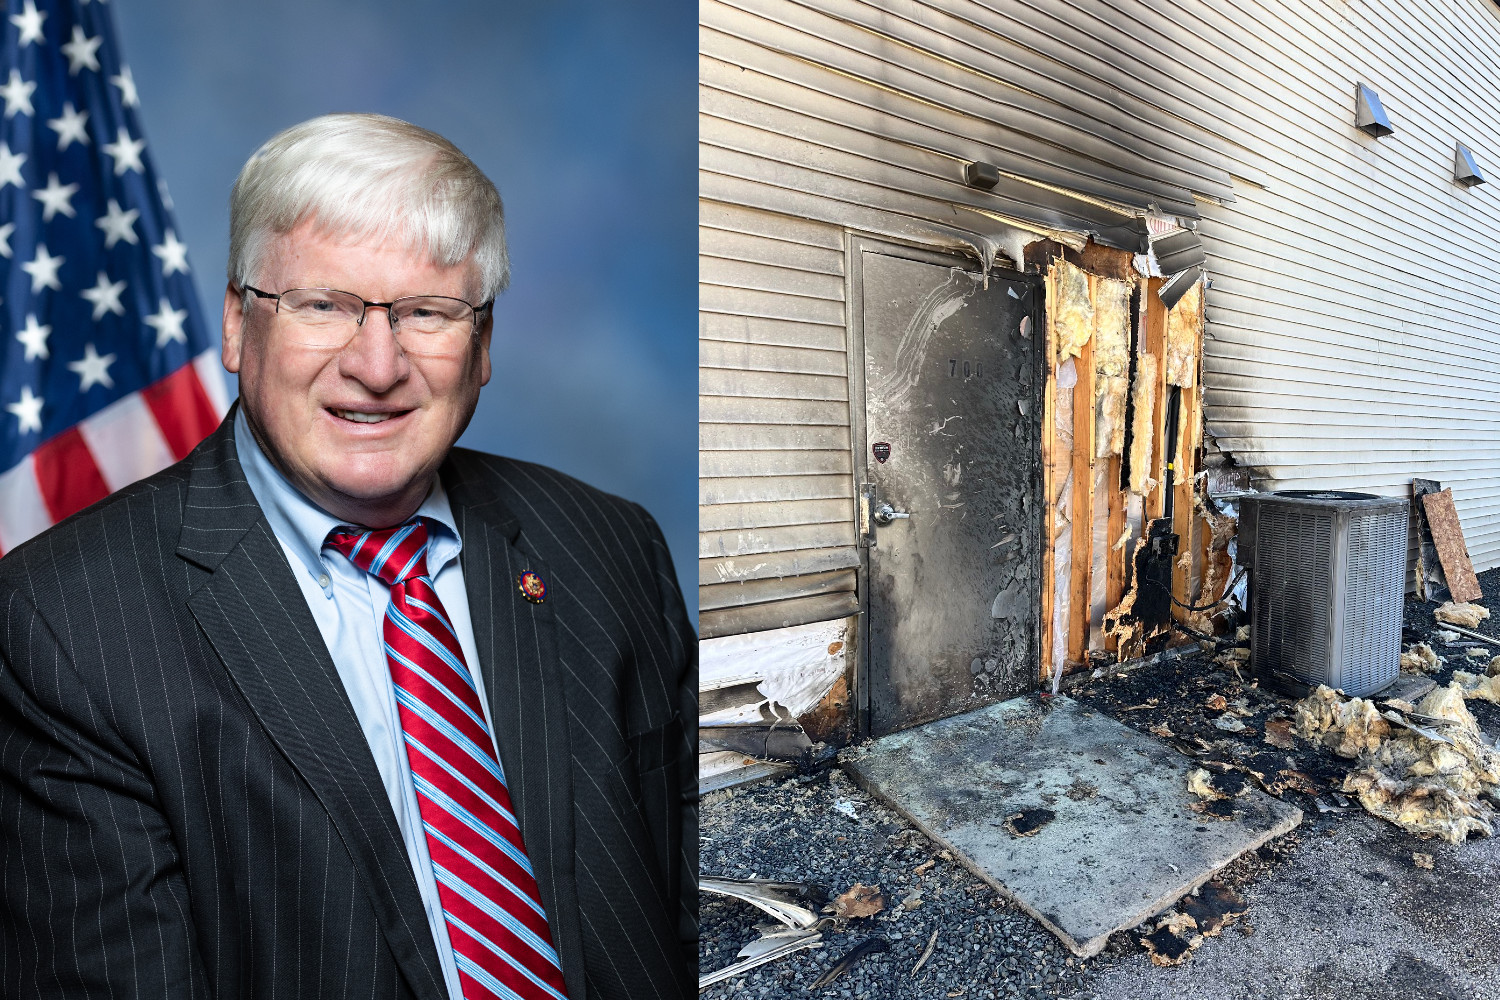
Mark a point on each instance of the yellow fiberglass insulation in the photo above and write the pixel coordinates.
(1184, 337)
(1430, 787)
(1111, 327)
(1073, 319)
(1142, 424)
(1109, 415)
(1420, 659)
(1348, 728)
(1482, 686)
(1462, 615)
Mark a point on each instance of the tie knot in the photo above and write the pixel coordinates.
(393, 554)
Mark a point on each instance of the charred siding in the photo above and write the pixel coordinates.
(820, 117)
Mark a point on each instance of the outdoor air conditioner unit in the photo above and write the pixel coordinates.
(1327, 583)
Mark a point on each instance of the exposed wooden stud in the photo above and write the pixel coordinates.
(1049, 440)
(1114, 588)
(1080, 582)
(1184, 518)
(1156, 340)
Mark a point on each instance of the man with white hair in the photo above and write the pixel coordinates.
(332, 708)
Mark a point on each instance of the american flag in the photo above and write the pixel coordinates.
(107, 371)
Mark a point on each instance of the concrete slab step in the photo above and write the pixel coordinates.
(1085, 823)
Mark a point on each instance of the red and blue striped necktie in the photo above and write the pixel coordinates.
(501, 942)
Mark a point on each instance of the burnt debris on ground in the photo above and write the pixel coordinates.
(949, 934)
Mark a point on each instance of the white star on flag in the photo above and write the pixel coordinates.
(28, 411)
(168, 324)
(10, 167)
(126, 82)
(105, 296)
(126, 153)
(69, 127)
(173, 254)
(43, 270)
(81, 52)
(34, 339)
(86, 226)
(92, 369)
(17, 94)
(56, 197)
(30, 22)
(117, 225)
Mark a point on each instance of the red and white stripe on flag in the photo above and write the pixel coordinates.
(130, 439)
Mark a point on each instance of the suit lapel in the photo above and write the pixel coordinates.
(253, 614)
(517, 645)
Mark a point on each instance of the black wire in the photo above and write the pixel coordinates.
(1228, 593)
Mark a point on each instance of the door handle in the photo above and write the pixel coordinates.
(885, 514)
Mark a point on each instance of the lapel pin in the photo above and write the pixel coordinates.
(532, 587)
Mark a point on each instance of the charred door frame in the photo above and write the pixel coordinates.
(855, 246)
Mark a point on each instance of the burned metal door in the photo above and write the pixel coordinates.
(948, 496)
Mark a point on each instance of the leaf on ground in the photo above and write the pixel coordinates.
(860, 901)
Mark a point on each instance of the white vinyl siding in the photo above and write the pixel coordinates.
(775, 483)
(1353, 331)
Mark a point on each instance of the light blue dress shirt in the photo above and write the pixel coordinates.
(349, 606)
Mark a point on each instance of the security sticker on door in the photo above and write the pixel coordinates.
(882, 450)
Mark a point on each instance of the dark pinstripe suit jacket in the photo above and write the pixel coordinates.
(188, 807)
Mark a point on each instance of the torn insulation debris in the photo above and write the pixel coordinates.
(1485, 687)
(1213, 908)
(1421, 659)
(1463, 615)
(1347, 727)
(860, 901)
(1433, 777)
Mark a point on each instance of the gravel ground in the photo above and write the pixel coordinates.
(791, 830)
(1337, 908)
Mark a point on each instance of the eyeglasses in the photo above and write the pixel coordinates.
(326, 318)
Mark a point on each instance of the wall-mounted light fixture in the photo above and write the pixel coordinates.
(1369, 113)
(981, 175)
(1465, 170)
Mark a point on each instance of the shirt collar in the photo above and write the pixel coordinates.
(302, 525)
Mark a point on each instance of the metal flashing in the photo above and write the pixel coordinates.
(1178, 250)
(1177, 286)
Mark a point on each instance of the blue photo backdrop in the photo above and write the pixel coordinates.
(583, 113)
